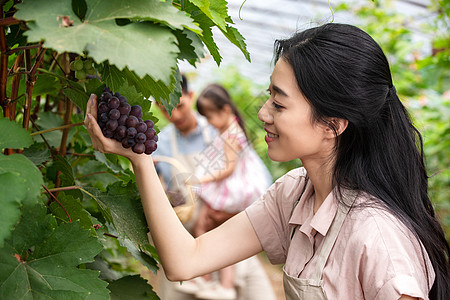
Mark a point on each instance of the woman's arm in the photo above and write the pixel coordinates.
(182, 256)
(231, 151)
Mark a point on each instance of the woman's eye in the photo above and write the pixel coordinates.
(277, 106)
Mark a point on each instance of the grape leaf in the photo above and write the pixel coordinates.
(236, 38)
(99, 32)
(12, 196)
(191, 47)
(74, 209)
(12, 135)
(128, 219)
(21, 166)
(131, 287)
(111, 76)
(216, 10)
(40, 260)
(126, 210)
(48, 120)
(95, 174)
(206, 24)
(46, 84)
(36, 154)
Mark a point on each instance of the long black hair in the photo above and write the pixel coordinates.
(219, 97)
(344, 73)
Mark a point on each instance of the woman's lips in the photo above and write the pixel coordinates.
(270, 137)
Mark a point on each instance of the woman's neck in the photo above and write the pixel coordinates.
(320, 175)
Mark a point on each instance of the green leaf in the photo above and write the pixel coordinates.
(46, 84)
(131, 287)
(100, 180)
(12, 135)
(216, 10)
(74, 209)
(40, 261)
(78, 96)
(128, 216)
(48, 120)
(191, 47)
(237, 39)
(111, 76)
(128, 220)
(12, 195)
(99, 31)
(37, 154)
(21, 166)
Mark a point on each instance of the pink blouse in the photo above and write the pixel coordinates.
(374, 257)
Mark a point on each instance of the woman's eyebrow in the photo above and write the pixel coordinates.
(279, 90)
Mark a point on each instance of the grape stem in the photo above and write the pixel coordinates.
(56, 128)
(56, 199)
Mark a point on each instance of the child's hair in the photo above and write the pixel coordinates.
(219, 97)
(344, 73)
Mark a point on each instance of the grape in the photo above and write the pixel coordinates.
(105, 96)
(121, 131)
(103, 107)
(140, 138)
(132, 121)
(111, 125)
(125, 143)
(80, 75)
(150, 146)
(77, 65)
(90, 71)
(104, 117)
(150, 133)
(114, 114)
(141, 127)
(149, 123)
(108, 133)
(131, 142)
(136, 111)
(139, 148)
(121, 121)
(87, 65)
(124, 108)
(113, 102)
(131, 132)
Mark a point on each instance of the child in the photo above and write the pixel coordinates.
(231, 176)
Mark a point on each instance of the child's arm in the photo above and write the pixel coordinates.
(232, 148)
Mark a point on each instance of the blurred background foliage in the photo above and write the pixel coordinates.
(421, 73)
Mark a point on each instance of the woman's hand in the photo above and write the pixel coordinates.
(102, 143)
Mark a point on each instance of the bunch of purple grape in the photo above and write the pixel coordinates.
(123, 122)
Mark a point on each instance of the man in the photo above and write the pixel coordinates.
(187, 135)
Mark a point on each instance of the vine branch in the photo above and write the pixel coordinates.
(56, 128)
(56, 199)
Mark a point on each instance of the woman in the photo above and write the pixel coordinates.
(355, 222)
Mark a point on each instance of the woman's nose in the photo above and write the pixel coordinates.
(264, 113)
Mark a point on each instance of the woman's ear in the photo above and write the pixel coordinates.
(336, 126)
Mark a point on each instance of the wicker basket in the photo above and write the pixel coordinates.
(184, 211)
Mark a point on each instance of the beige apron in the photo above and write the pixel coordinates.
(312, 289)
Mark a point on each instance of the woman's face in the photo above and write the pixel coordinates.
(287, 119)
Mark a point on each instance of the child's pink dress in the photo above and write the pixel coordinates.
(249, 180)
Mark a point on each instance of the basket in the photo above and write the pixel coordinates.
(184, 211)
